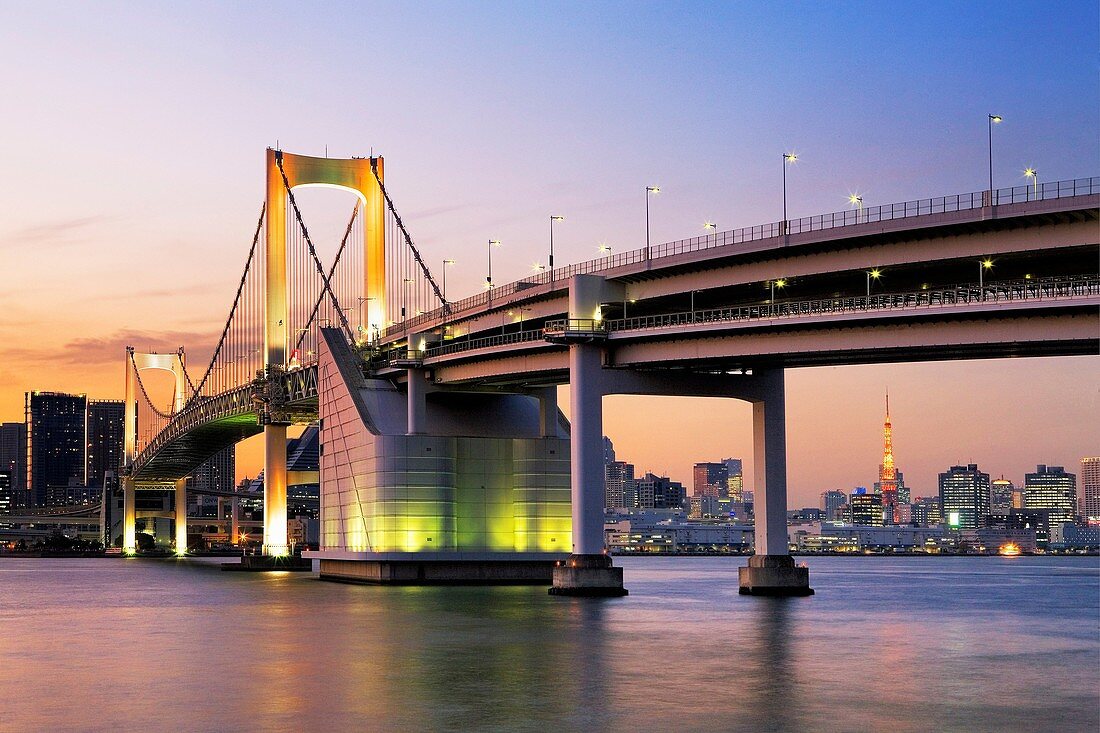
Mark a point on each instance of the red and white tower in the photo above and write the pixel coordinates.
(887, 474)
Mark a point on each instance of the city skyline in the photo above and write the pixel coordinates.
(124, 253)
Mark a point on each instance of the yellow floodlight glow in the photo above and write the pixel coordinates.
(987, 264)
(494, 242)
(709, 225)
(448, 262)
(556, 217)
(790, 157)
(653, 189)
(604, 247)
(876, 274)
(995, 119)
(538, 267)
(780, 283)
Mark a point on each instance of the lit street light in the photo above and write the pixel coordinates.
(856, 200)
(604, 248)
(986, 264)
(1034, 176)
(788, 159)
(446, 305)
(780, 283)
(648, 190)
(873, 274)
(993, 120)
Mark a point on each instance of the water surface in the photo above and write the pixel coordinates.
(890, 644)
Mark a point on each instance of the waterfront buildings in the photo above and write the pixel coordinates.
(1001, 491)
(1054, 490)
(964, 496)
(865, 507)
(104, 440)
(735, 479)
(5, 492)
(618, 484)
(834, 503)
(711, 479)
(56, 454)
(13, 459)
(1090, 489)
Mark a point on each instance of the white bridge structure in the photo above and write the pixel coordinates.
(444, 456)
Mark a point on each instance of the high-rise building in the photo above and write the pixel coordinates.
(924, 511)
(735, 479)
(13, 459)
(608, 450)
(711, 479)
(1000, 496)
(1051, 488)
(1090, 489)
(619, 484)
(865, 507)
(663, 492)
(104, 443)
(5, 492)
(833, 504)
(964, 496)
(56, 444)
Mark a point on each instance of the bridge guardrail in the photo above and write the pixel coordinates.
(819, 222)
(1003, 291)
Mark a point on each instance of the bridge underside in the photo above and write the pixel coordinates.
(182, 456)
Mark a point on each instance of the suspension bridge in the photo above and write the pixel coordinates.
(444, 454)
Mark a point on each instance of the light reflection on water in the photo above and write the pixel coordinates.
(909, 644)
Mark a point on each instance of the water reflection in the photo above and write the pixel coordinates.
(884, 645)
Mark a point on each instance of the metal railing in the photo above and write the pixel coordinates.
(502, 339)
(820, 222)
(1031, 289)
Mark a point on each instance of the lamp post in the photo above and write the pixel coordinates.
(553, 218)
(856, 200)
(604, 248)
(993, 120)
(648, 190)
(780, 283)
(693, 292)
(489, 273)
(788, 159)
(404, 300)
(446, 305)
(872, 274)
(986, 264)
(1034, 176)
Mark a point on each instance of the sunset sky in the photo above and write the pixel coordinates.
(131, 173)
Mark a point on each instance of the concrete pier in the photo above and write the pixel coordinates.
(771, 571)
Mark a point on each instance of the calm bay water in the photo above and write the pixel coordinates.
(911, 644)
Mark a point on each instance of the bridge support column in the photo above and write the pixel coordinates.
(275, 536)
(129, 516)
(417, 402)
(548, 412)
(181, 517)
(234, 522)
(588, 571)
(771, 571)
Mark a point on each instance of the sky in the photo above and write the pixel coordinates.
(132, 138)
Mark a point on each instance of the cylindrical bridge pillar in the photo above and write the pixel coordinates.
(181, 516)
(771, 571)
(275, 535)
(588, 571)
(129, 516)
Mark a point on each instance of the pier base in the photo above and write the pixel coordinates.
(267, 563)
(774, 575)
(438, 572)
(588, 575)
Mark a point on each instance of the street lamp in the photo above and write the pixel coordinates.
(604, 248)
(856, 200)
(405, 296)
(446, 305)
(693, 292)
(872, 274)
(538, 267)
(1034, 176)
(489, 274)
(993, 120)
(780, 283)
(788, 159)
(553, 218)
(648, 190)
(986, 264)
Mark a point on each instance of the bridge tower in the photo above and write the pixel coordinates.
(135, 364)
(286, 171)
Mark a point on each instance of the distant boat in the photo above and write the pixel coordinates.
(1009, 549)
